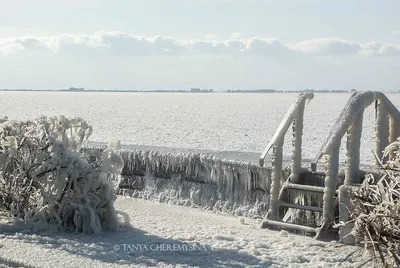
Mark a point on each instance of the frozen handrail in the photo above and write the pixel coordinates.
(293, 116)
(338, 121)
(294, 110)
(349, 114)
(350, 122)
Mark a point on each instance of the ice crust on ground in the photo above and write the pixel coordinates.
(222, 241)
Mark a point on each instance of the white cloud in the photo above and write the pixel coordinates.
(211, 37)
(327, 46)
(389, 50)
(235, 35)
(125, 44)
(378, 49)
(260, 46)
(10, 48)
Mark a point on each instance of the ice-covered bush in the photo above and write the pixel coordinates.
(377, 219)
(44, 179)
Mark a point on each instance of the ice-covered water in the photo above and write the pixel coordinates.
(218, 121)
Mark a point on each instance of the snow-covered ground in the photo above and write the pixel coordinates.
(163, 235)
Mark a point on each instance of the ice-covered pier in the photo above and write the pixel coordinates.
(226, 182)
(289, 193)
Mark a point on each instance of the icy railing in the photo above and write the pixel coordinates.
(387, 129)
(293, 117)
(224, 182)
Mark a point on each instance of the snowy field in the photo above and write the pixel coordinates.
(218, 121)
(171, 236)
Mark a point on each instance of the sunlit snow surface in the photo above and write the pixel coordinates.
(158, 237)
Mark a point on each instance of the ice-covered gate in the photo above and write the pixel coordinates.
(308, 200)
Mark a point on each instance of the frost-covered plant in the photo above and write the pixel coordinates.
(377, 219)
(45, 180)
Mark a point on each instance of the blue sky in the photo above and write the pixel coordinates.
(179, 44)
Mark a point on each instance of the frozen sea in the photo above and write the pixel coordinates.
(216, 121)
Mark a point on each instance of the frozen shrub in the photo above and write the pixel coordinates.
(45, 180)
(377, 223)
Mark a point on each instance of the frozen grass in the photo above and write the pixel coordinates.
(376, 219)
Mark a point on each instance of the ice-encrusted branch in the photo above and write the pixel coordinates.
(45, 180)
(376, 214)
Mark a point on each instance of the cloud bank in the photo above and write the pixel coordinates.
(125, 44)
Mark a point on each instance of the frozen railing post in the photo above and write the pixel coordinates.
(350, 122)
(381, 129)
(331, 162)
(297, 143)
(277, 158)
(387, 124)
(354, 132)
(293, 117)
(394, 131)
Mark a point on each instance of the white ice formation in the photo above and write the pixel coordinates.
(45, 182)
(197, 179)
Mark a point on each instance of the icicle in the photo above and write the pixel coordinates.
(230, 186)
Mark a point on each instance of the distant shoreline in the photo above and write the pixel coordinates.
(268, 91)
